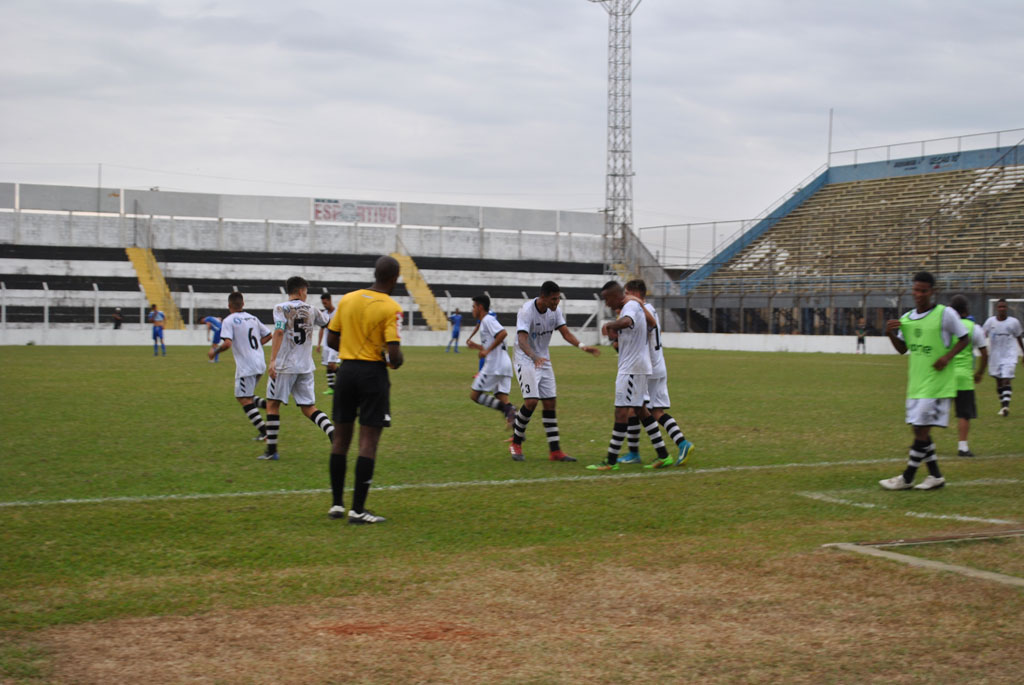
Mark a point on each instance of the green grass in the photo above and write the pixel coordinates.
(101, 423)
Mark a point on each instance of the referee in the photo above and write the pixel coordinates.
(365, 330)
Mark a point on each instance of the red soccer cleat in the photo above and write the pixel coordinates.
(559, 455)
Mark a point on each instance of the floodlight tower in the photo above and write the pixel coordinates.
(619, 178)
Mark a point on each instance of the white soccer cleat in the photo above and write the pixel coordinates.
(1004, 411)
(895, 483)
(930, 483)
(336, 512)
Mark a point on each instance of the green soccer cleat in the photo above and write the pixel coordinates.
(661, 463)
(604, 466)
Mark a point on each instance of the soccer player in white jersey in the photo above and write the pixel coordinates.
(1001, 330)
(630, 329)
(250, 364)
(291, 363)
(491, 385)
(657, 399)
(328, 356)
(537, 320)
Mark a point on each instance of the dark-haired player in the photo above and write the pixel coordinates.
(1002, 329)
(250, 364)
(491, 385)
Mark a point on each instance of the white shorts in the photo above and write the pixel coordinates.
(536, 383)
(1003, 370)
(298, 385)
(328, 355)
(493, 383)
(928, 412)
(245, 386)
(630, 389)
(657, 392)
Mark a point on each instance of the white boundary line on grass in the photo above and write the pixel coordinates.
(471, 483)
(928, 563)
(822, 497)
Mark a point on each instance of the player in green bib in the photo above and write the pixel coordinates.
(967, 375)
(933, 335)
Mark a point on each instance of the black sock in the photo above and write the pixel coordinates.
(364, 476)
(337, 466)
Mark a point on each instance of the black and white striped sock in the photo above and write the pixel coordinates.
(633, 434)
(330, 379)
(259, 402)
(1005, 395)
(273, 426)
(322, 422)
(519, 427)
(916, 456)
(252, 412)
(654, 432)
(551, 428)
(675, 433)
(615, 444)
(931, 461)
(489, 400)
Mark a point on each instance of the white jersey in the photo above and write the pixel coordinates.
(298, 320)
(496, 363)
(1002, 340)
(538, 326)
(634, 354)
(245, 332)
(658, 368)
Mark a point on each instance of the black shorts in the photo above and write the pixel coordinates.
(966, 408)
(362, 388)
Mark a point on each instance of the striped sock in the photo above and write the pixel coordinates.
(633, 434)
(931, 461)
(519, 427)
(252, 412)
(1005, 395)
(916, 456)
(323, 423)
(330, 379)
(259, 401)
(273, 426)
(651, 426)
(489, 400)
(551, 428)
(615, 444)
(675, 433)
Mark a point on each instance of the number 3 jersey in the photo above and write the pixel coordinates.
(245, 332)
(298, 321)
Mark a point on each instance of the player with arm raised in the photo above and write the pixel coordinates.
(291, 363)
(537, 320)
(250, 364)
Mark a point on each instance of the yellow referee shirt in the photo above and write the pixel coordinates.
(366, 321)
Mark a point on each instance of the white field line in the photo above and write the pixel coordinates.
(472, 483)
(824, 497)
(928, 563)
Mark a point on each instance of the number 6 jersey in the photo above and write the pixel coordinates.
(297, 319)
(245, 332)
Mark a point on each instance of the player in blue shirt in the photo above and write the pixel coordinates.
(456, 320)
(157, 318)
(213, 325)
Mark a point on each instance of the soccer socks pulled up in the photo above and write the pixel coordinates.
(322, 422)
(551, 428)
(252, 412)
(273, 426)
(918, 453)
(489, 400)
(651, 426)
(615, 444)
(331, 375)
(519, 426)
(336, 467)
(675, 433)
(259, 401)
(633, 434)
(364, 476)
(931, 461)
(1005, 395)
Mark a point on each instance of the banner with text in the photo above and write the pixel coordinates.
(355, 211)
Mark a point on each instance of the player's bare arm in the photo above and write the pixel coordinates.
(275, 345)
(573, 340)
(395, 356)
(225, 345)
(333, 339)
(982, 365)
(494, 344)
(892, 327)
(524, 345)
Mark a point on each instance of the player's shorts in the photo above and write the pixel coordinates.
(966, 407)
(492, 382)
(362, 389)
(928, 412)
(1002, 370)
(657, 392)
(536, 383)
(328, 355)
(158, 332)
(630, 389)
(298, 385)
(216, 338)
(245, 386)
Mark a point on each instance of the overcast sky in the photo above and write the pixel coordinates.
(491, 102)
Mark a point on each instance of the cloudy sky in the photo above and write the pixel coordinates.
(491, 102)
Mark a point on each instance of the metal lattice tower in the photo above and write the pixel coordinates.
(619, 178)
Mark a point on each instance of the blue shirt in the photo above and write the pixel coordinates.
(214, 323)
(157, 318)
(456, 320)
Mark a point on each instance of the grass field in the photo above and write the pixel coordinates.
(143, 541)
